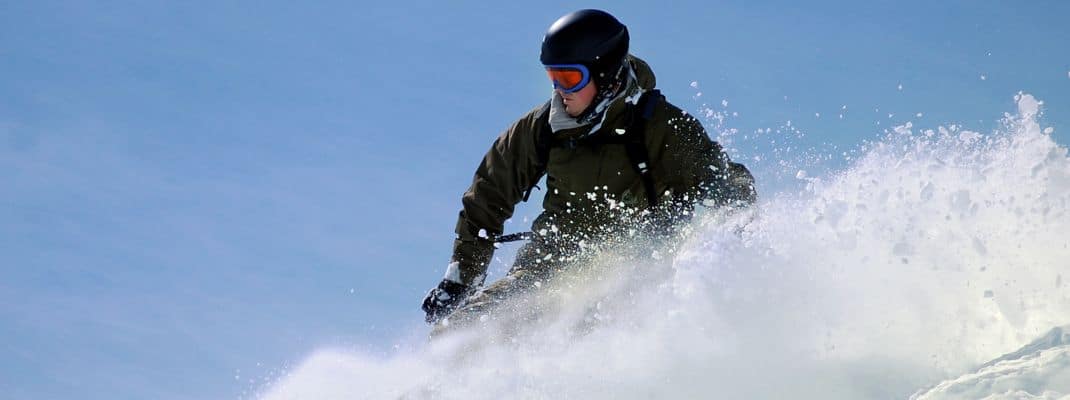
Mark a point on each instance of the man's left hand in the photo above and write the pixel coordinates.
(443, 299)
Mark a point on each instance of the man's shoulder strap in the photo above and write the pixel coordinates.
(635, 144)
(648, 102)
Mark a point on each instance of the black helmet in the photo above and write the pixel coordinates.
(589, 37)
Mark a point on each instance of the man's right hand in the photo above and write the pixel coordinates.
(443, 299)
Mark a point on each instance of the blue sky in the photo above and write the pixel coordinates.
(198, 191)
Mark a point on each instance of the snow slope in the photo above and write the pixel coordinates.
(1039, 370)
(918, 266)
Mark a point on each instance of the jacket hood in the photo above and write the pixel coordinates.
(643, 74)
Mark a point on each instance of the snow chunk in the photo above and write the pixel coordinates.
(927, 191)
(979, 246)
(902, 249)
(1028, 106)
(968, 137)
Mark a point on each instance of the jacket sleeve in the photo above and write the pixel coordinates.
(700, 170)
(509, 168)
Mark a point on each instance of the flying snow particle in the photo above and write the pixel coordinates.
(900, 86)
(483, 234)
(1049, 130)
(694, 84)
(724, 103)
(800, 175)
(919, 115)
(979, 246)
(983, 77)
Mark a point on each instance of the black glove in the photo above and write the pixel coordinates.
(442, 300)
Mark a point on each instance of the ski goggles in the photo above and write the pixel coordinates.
(569, 78)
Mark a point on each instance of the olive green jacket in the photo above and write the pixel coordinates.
(591, 188)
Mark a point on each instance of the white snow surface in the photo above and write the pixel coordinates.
(905, 274)
(1040, 370)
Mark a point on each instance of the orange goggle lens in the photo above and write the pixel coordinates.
(568, 78)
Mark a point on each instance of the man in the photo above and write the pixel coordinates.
(618, 159)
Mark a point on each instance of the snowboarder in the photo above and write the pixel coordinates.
(618, 159)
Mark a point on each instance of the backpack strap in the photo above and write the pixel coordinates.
(635, 144)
